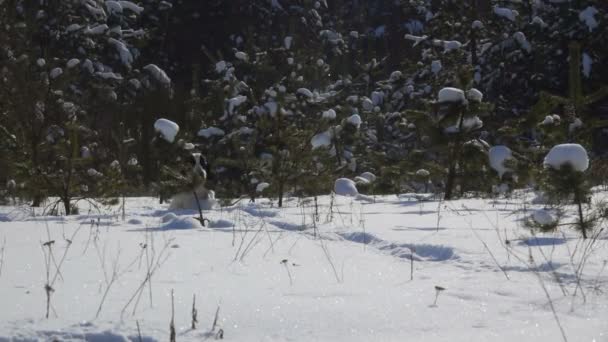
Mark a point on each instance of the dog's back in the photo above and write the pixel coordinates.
(186, 200)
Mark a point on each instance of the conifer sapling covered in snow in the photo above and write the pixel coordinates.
(498, 156)
(564, 178)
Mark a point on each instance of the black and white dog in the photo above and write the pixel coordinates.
(198, 176)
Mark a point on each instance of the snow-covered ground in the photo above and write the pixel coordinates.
(277, 275)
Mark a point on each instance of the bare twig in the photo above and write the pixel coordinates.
(285, 263)
(140, 339)
(47, 247)
(412, 251)
(215, 319)
(115, 275)
(489, 251)
(200, 211)
(252, 243)
(153, 266)
(542, 285)
(194, 312)
(2, 254)
(330, 260)
(172, 324)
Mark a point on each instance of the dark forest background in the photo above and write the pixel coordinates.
(253, 83)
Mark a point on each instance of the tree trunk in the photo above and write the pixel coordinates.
(37, 197)
(281, 187)
(66, 206)
(451, 179)
(581, 218)
(145, 152)
(474, 57)
(454, 158)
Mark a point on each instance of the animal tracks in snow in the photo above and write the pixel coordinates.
(420, 252)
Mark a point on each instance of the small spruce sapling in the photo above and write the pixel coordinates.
(564, 179)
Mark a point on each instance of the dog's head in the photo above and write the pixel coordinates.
(199, 165)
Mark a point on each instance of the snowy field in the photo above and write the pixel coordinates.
(279, 275)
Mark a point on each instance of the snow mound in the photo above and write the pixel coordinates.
(498, 155)
(221, 224)
(131, 6)
(436, 66)
(126, 57)
(135, 221)
(587, 62)
(521, 39)
(72, 63)
(450, 45)
(468, 124)
(369, 176)
(506, 13)
(396, 76)
(367, 104)
(423, 173)
(167, 128)
(451, 95)
(538, 21)
(474, 95)
(345, 187)
(220, 66)
(329, 114)
(377, 98)
(416, 39)
(575, 125)
(56, 72)
(241, 56)
(354, 120)
(168, 217)
(361, 180)
(256, 211)
(287, 41)
(478, 25)
(573, 154)
(210, 132)
(235, 102)
(158, 74)
(587, 16)
(272, 108)
(261, 187)
(547, 121)
(305, 92)
(321, 140)
(544, 217)
(80, 332)
(186, 222)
